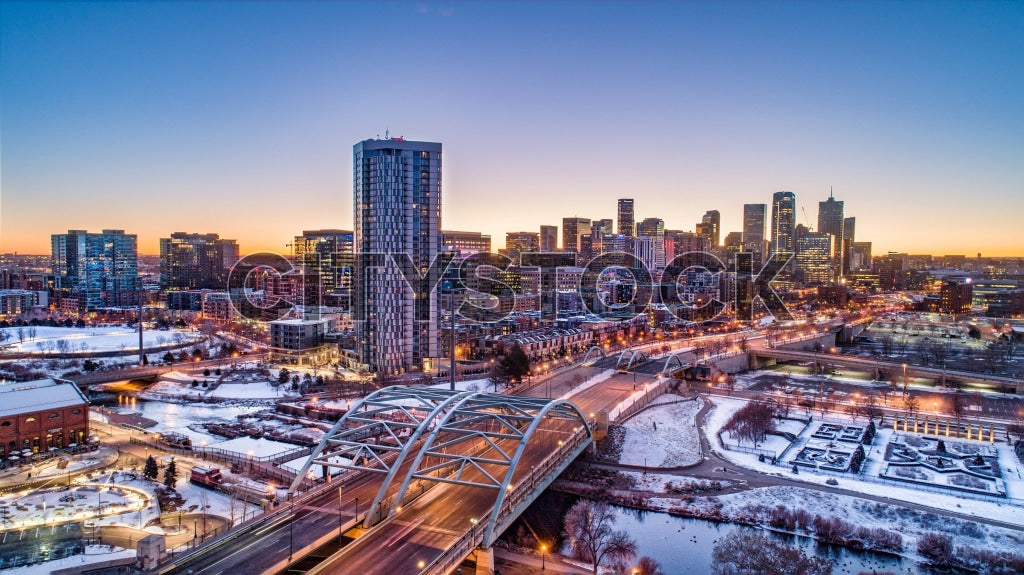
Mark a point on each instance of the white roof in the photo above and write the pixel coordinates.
(39, 395)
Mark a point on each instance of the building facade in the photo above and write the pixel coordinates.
(326, 258)
(517, 243)
(94, 271)
(196, 261)
(465, 244)
(815, 256)
(396, 210)
(548, 238)
(783, 222)
(831, 221)
(42, 414)
(626, 217)
(572, 230)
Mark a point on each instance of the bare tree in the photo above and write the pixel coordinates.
(911, 404)
(745, 552)
(588, 527)
(751, 422)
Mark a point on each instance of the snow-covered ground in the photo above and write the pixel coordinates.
(872, 485)
(178, 385)
(93, 554)
(91, 339)
(261, 447)
(663, 435)
(909, 523)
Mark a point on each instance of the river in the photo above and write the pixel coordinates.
(684, 545)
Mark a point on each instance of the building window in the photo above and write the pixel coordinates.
(54, 415)
(29, 419)
(76, 411)
(6, 424)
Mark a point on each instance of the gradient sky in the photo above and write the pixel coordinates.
(239, 118)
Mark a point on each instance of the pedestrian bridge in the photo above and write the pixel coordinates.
(418, 437)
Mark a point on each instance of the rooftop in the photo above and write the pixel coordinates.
(39, 395)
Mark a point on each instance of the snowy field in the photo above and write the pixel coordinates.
(178, 385)
(663, 435)
(90, 339)
(872, 485)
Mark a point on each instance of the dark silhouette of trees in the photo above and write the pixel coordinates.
(150, 471)
(516, 364)
(170, 475)
(745, 552)
(648, 566)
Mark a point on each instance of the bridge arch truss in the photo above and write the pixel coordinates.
(598, 349)
(378, 433)
(632, 357)
(509, 429)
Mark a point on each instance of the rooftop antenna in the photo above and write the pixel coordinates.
(830, 192)
(387, 134)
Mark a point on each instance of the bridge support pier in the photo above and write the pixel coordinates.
(485, 561)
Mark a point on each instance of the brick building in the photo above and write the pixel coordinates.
(38, 415)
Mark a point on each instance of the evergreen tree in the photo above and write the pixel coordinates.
(150, 471)
(168, 357)
(516, 364)
(284, 375)
(170, 475)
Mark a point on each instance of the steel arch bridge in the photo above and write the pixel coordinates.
(475, 439)
(675, 356)
(632, 357)
(598, 349)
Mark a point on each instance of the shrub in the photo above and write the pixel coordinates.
(937, 548)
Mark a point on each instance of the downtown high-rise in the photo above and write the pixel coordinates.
(396, 195)
(626, 217)
(753, 231)
(783, 222)
(830, 221)
(92, 271)
(196, 261)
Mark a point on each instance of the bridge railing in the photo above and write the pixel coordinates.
(522, 492)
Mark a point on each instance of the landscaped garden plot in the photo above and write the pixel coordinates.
(933, 461)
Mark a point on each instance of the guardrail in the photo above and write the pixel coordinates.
(469, 540)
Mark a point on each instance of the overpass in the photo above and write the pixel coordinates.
(150, 372)
(455, 468)
(888, 368)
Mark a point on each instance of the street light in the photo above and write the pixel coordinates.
(543, 556)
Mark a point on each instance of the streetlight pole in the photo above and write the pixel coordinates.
(543, 556)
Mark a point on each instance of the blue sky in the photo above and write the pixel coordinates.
(239, 118)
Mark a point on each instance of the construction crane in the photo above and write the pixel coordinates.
(807, 221)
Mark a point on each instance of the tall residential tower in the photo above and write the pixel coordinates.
(396, 195)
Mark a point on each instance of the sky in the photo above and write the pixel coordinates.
(239, 118)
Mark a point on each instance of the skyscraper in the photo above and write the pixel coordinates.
(654, 228)
(572, 229)
(196, 261)
(815, 258)
(521, 242)
(396, 196)
(548, 238)
(849, 236)
(710, 226)
(91, 271)
(830, 221)
(327, 259)
(626, 218)
(753, 231)
(783, 222)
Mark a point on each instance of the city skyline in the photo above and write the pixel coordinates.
(114, 120)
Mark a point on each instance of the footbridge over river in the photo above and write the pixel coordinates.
(455, 468)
